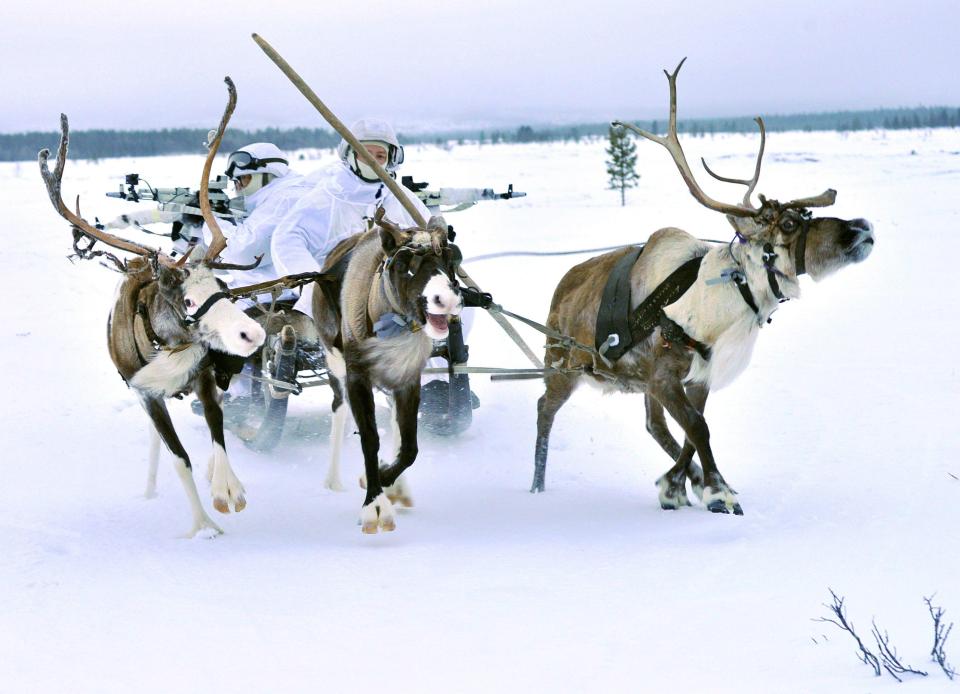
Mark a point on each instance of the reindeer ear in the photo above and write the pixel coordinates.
(391, 238)
(745, 226)
(169, 278)
(437, 228)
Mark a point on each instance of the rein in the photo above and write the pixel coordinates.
(395, 321)
(190, 320)
(739, 277)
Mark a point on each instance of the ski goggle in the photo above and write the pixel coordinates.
(245, 161)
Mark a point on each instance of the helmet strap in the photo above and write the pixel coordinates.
(257, 182)
(363, 170)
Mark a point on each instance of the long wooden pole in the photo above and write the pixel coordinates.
(387, 179)
(343, 130)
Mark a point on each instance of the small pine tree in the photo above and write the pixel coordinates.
(622, 164)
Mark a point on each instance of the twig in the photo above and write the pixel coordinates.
(87, 252)
(940, 635)
(888, 656)
(841, 622)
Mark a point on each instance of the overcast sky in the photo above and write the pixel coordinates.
(135, 64)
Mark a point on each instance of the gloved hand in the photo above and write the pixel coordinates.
(474, 297)
(188, 219)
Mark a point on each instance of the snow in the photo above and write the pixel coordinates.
(840, 439)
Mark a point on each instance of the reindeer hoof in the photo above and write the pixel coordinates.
(221, 505)
(333, 485)
(205, 528)
(717, 506)
(673, 495)
(378, 515)
(399, 493)
(721, 499)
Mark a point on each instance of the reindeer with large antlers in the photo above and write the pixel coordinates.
(693, 314)
(173, 330)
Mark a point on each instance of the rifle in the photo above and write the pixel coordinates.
(177, 206)
(455, 199)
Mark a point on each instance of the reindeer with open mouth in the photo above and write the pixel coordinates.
(692, 313)
(173, 329)
(378, 326)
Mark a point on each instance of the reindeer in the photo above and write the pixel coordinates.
(686, 342)
(172, 330)
(378, 326)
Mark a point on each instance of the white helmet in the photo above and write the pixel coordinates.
(372, 131)
(260, 157)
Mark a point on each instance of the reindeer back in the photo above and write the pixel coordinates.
(355, 294)
(124, 341)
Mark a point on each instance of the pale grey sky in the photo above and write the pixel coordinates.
(134, 64)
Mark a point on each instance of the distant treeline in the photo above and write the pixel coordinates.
(98, 144)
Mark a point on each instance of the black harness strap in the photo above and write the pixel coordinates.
(206, 306)
(800, 249)
(144, 315)
(673, 333)
(613, 318)
(740, 280)
(647, 315)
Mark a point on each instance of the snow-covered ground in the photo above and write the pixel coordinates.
(840, 438)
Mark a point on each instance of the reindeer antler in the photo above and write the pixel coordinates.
(53, 181)
(219, 242)
(752, 183)
(825, 199)
(672, 145)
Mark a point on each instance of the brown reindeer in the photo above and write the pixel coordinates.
(398, 291)
(685, 341)
(173, 330)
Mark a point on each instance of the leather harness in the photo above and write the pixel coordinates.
(618, 329)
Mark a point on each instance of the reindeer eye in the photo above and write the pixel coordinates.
(789, 225)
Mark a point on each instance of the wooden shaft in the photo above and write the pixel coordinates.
(343, 130)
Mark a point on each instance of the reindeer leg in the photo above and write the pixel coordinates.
(667, 388)
(225, 487)
(406, 403)
(153, 462)
(559, 387)
(673, 483)
(157, 410)
(337, 428)
(377, 511)
(697, 393)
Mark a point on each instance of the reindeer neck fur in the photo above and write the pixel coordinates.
(131, 339)
(390, 362)
(716, 314)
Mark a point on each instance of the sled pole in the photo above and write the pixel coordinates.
(388, 180)
(342, 129)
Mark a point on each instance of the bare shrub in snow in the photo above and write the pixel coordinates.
(840, 620)
(940, 635)
(888, 658)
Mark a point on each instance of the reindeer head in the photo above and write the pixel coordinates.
(195, 295)
(785, 238)
(204, 304)
(802, 243)
(419, 273)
